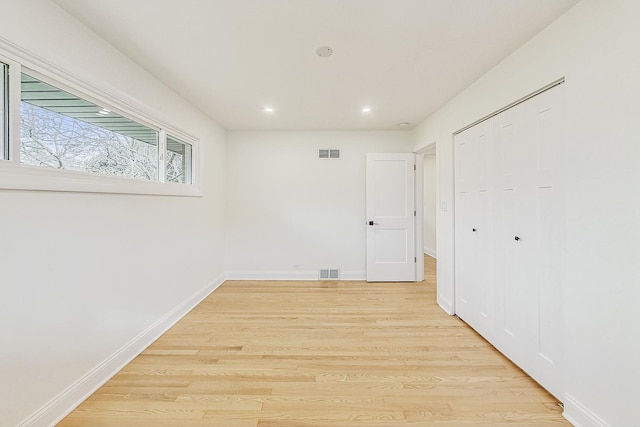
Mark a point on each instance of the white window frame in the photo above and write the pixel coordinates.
(16, 176)
(189, 163)
(4, 117)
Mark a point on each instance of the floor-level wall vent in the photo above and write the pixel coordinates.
(329, 274)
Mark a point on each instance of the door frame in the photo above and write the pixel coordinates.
(419, 187)
(419, 205)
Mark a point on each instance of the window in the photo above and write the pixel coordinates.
(59, 133)
(63, 131)
(4, 110)
(178, 165)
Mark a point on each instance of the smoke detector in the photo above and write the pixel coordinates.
(324, 51)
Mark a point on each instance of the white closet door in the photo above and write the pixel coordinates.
(513, 292)
(508, 281)
(474, 290)
(545, 253)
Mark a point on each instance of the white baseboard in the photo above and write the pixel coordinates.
(76, 393)
(272, 275)
(290, 275)
(353, 275)
(446, 305)
(430, 251)
(578, 415)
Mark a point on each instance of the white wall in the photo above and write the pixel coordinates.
(83, 274)
(429, 205)
(595, 46)
(287, 208)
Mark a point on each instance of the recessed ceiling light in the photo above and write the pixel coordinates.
(404, 124)
(366, 109)
(324, 51)
(268, 109)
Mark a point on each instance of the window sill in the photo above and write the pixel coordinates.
(30, 178)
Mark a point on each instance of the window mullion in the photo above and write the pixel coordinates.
(162, 155)
(4, 109)
(15, 71)
(188, 166)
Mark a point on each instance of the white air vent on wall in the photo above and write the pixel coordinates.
(326, 153)
(329, 274)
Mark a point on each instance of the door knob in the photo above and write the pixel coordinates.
(373, 223)
(474, 230)
(517, 238)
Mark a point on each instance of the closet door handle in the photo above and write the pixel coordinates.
(516, 238)
(474, 230)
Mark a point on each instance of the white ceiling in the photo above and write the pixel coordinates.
(402, 58)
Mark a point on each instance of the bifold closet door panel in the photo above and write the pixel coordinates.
(513, 241)
(474, 289)
(464, 293)
(545, 117)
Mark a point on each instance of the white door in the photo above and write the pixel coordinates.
(390, 209)
(514, 293)
(474, 227)
(508, 280)
(529, 240)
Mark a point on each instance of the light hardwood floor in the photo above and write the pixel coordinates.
(334, 354)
